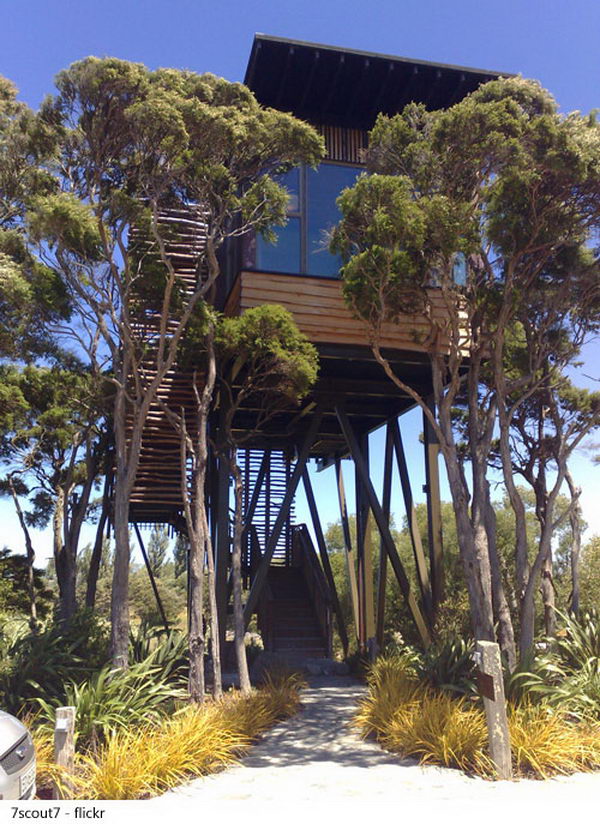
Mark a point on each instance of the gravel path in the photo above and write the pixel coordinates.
(317, 757)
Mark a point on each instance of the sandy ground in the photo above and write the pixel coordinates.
(317, 757)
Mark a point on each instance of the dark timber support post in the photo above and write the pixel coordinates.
(364, 559)
(261, 573)
(434, 511)
(386, 502)
(350, 559)
(413, 525)
(383, 527)
(161, 609)
(316, 521)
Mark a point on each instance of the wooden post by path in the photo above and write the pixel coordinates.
(491, 688)
(64, 749)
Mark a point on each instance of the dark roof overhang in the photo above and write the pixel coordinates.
(345, 87)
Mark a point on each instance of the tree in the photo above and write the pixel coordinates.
(15, 586)
(468, 215)
(158, 546)
(135, 144)
(264, 360)
(51, 441)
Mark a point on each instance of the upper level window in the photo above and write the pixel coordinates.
(301, 246)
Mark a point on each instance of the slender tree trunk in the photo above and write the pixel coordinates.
(576, 524)
(215, 644)
(63, 562)
(30, 557)
(472, 542)
(548, 595)
(96, 559)
(120, 584)
(236, 571)
(506, 635)
(199, 534)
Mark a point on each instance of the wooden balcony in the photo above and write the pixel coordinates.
(318, 307)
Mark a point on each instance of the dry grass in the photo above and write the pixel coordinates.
(546, 742)
(436, 728)
(440, 729)
(197, 740)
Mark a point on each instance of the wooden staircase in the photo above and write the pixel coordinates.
(295, 614)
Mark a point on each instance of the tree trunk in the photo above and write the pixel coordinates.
(575, 520)
(473, 545)
(30, 557)
(506, 635)
(96, 559)
(548, 595)
(119, 610)
(215, 644)
(63, 562)
(236, 572)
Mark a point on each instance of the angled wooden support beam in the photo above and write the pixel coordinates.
(161, 609)
(413, 524)
(316, 521)
(364, 559)
(350, 557)
(261, 573)
(434, 510)
(386, 504)
(383, 527)
(249, 515)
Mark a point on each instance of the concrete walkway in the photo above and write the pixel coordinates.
(316, 756)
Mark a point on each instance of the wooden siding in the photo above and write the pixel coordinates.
(344, 145)
(319, 310)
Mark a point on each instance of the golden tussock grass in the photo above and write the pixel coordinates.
(436, 728)
(195, 741)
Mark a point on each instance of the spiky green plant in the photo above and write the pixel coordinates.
(117, 699)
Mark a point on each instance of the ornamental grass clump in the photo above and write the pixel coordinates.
(545, 741)
(142, 761)
(437, 727)
(392, 683)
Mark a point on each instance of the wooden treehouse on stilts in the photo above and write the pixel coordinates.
(286, 568)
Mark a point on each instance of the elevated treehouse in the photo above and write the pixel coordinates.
(286, 567)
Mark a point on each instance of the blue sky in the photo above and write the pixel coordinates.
(554, 41)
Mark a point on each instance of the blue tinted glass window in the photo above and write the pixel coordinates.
(285, 254)
(459, 270)
(323, 187)
(301, 246)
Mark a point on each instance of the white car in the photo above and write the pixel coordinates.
(17, 760)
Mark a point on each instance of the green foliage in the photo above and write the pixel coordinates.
(158, 546)
(39, 665)
(14, 594)
(167, 650)
(117, 699)
(266, 345)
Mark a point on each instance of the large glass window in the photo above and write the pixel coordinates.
(301, 246)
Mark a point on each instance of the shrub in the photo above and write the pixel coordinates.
(41, 664)
(440, 729)
(196, 741)
(449, 666)
(117, 699)
(392, 683)
(546, 742)
(413, 719)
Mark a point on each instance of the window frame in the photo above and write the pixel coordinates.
(302, 215)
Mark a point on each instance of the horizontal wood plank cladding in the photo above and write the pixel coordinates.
(344, 145)
(319, 310)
